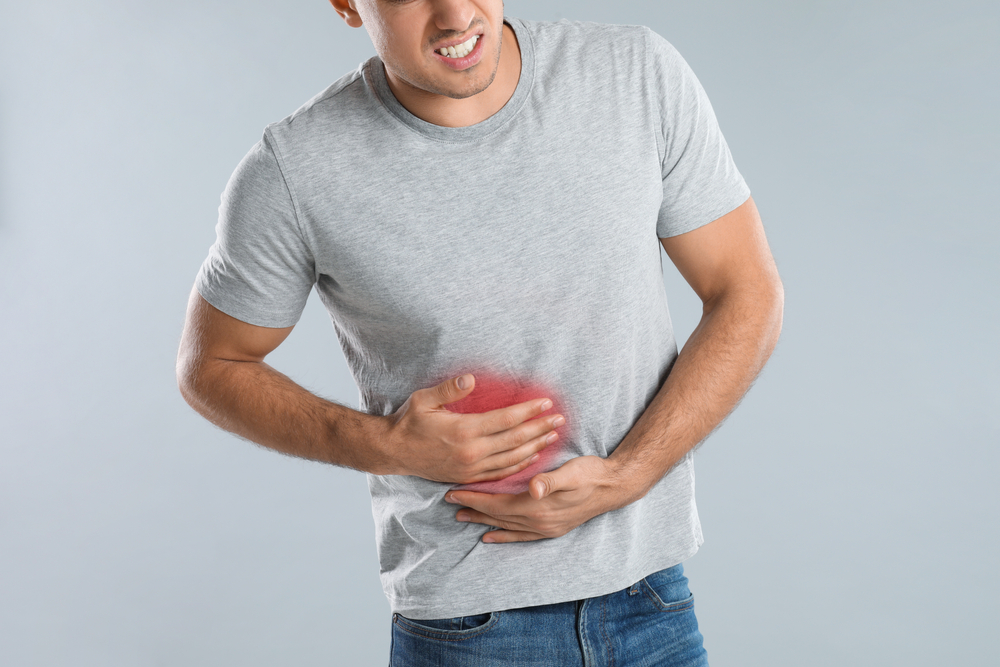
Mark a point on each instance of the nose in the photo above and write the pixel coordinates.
(454, 15)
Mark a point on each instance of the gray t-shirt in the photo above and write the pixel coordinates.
(523, 249)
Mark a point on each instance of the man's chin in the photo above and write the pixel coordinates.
(462, 91)
(464, 95)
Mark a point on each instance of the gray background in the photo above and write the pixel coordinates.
(850, 505)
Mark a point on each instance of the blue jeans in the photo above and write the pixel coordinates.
(648, 624)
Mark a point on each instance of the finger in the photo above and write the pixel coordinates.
(494, 504)
(504, 419)
(542, 485)
(523, 434)
(449, 391)
(501, 536)
(466, 515)
(502, 473)
(508, 463)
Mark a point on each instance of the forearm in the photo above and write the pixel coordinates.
(253, 400)
(723, 356)
(222, 375)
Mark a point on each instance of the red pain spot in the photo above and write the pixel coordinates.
(492, 392)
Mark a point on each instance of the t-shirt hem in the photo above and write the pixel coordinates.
(739, 198)
(243, 312)
(418, 611)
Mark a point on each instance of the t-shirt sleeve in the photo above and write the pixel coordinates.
(700, 180)
(259, 270)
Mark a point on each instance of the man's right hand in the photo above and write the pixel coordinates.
(222, 375)
(429, 441)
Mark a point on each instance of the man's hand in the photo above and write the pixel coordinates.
(429, 441)
(729, 265)
(556, 502)
(222, 374)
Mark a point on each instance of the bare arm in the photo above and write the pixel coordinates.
(729, 265)
(221, 373)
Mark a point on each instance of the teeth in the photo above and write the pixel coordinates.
(460, 50)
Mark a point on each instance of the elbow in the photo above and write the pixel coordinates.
(776, 294)
(188, 372)
(774, 307)
(185, 379)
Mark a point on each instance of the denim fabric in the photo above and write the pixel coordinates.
(648, 624)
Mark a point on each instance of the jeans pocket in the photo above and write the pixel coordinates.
(459, 627)
(668, 590)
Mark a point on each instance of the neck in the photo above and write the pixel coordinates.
(449, 112)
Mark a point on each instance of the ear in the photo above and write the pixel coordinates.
(348, 12)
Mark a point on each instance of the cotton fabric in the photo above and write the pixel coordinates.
(523, 249)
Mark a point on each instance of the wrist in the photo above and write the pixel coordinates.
(615, 490)
(626, 482)
(381, 442)
(362, 441)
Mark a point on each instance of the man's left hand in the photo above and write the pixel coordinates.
(556, 502)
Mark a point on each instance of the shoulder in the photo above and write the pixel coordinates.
(607, 42)
(339, 96)
(585, 33)
(586, 41)
(585, 58)
(326, 117)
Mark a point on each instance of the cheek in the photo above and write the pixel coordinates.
(379, 31)
(382, 43)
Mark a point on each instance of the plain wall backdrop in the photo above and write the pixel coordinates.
(850, 504)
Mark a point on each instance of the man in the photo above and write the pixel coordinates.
(481, 209)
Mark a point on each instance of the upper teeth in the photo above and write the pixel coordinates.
(459, 50)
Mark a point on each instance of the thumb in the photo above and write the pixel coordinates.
(543, 484)
(453, 389)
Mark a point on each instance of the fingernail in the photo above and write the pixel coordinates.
(487, 539)
(546, 404)
(449, 498)
(551, 437)
(534, 458)
(463, 382)
(462, 517)
(558, 421)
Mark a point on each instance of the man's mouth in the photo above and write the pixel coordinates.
(460, 50)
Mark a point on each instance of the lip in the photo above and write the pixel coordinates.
(475, 55)
(461, 40)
